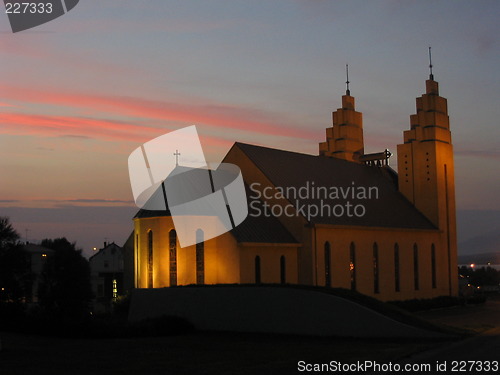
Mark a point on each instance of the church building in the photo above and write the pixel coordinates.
(340, 219)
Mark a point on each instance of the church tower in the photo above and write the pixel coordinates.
(426, 172)
(344, 140)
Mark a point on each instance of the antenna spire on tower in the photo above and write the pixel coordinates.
(431, 76)
(347, 91)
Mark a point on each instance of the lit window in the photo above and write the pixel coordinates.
(200, 257)
(433, 265)
(328, 278)
(150, 259)
(257, 269)
(282, 269)
(415, 267)
(396, 268)
(173, 257)
(115, 289)
(352, 265)
(376, 286)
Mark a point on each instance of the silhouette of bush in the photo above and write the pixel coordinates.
(121, 305)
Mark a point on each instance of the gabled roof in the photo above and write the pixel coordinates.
(112, 247)
(262, 229)
(253, 229)
(291, 169)
(150, 213)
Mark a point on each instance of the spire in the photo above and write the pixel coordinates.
(347, 91)
(344, 139)
(431, 76)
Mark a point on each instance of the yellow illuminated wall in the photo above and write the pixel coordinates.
(225, 261)
(427, 177)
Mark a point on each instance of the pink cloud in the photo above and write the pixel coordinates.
(211, 114)
(21, 124)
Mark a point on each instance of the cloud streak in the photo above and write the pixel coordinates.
(212, 114)
(66, 126)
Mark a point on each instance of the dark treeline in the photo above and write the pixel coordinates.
(64, 289)
(63, 296)
(484, 276)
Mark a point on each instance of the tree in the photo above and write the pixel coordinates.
(15, 270)
(8, 234)
(65, 287)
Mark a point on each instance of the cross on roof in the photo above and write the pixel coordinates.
(177, 154)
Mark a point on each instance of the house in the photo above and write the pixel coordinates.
(106, 275)
(37, 256)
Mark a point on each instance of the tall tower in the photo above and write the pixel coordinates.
(344, 140)
(426, 173)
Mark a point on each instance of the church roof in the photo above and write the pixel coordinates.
(262, 229)
(141, 214)
(295, 170)
(259, 229)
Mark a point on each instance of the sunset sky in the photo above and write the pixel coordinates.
(79, 94)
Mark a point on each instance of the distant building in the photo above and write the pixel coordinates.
(106, 275)
(399, 243)
(38, 256)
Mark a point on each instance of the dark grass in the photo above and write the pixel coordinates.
(97, 327)
(108, 344)
(389, 309)
(193, 353)
(13, 319)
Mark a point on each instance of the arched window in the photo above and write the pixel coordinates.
(200, 257)
(328, 260)
(433, 265)
(352, 265)
(396, 268)
(136, 260)
(257, 269)
(172, 240)
(415, 266)
(283, 269)
(376, 288)
(150, 259)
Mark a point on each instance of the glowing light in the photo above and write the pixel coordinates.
(44, 255)
(115, 289)
(472, 265)
(95, 248)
